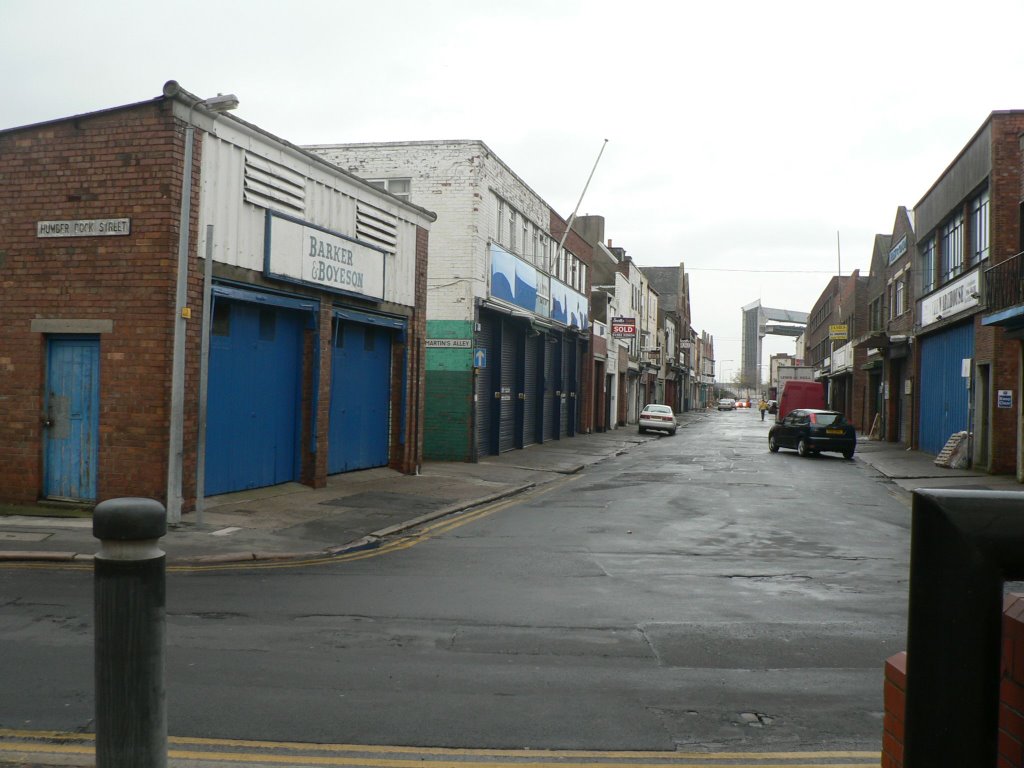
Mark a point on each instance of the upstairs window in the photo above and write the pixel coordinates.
(979, 228)
(400, 188)
(952, 248)
(899, 300)
(928, 266)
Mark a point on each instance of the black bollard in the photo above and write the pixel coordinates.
(129, 575)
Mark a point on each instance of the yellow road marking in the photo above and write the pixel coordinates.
(376, 756)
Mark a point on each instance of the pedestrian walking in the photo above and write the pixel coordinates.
(762, 407)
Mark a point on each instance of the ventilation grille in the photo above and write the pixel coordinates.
(376, 226)
(273, 186)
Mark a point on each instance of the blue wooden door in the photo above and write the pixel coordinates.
(944, 392)
(72, 407)
(360, 411)
(254, 397)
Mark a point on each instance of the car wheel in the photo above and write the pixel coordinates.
(642, 430)
(672, 432)
(773, 444)
(803, 448)
(848, 454)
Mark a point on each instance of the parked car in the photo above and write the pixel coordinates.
(773, 406)
(655, 416)
(810, 431)
(727, 404)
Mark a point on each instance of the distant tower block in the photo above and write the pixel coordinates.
(759, 322)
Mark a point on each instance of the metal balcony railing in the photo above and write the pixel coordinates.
(1004, 284)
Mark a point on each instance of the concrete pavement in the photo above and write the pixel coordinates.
(358, 509)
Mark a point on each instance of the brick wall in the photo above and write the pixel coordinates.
(124, 163)
(1011, 695)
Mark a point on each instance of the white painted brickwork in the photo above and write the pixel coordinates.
(461, 182)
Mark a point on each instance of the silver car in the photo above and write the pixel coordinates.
(659, 417)
(727, 404)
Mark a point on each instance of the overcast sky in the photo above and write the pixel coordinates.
(742, 136)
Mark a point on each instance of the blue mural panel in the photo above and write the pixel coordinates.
(568, 306)
(513, 280)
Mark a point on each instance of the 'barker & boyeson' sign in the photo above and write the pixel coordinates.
(299, 252)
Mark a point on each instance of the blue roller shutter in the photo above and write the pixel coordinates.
(360, 408)
(944, 392)
(533, 390)
(508, 390)
(254, 396)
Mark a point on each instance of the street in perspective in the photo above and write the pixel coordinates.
(692, 598)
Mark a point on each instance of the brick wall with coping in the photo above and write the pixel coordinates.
(1011, 695)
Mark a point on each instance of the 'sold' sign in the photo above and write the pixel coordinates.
(623, 327)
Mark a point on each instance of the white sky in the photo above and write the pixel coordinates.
(742, 135)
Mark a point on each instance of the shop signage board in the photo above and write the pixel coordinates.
(839, 332)
(300, 252)
(952, 299)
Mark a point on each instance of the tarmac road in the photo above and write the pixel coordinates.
(693, 594)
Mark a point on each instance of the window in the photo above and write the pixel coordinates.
(511, 230)
(979, 228)
(876, 314)
(400, 188)
(952, 248)
(500, 229)
(899, 298)
(928, 266)
(526, 235)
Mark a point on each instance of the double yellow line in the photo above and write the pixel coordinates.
(79, 749)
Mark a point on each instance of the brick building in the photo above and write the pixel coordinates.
(968, 220)
(509, 360)
(183, 297)
(838, 361)
(889, 340)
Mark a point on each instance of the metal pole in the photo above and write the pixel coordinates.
(572, 218)
(204, 375)
(175, 458)
(130, 617)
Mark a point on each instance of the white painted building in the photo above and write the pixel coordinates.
(507, 317)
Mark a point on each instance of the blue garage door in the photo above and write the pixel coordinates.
(254, 396)
(360, 414)
(944, 393)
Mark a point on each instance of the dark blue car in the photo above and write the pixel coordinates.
(811, 431)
